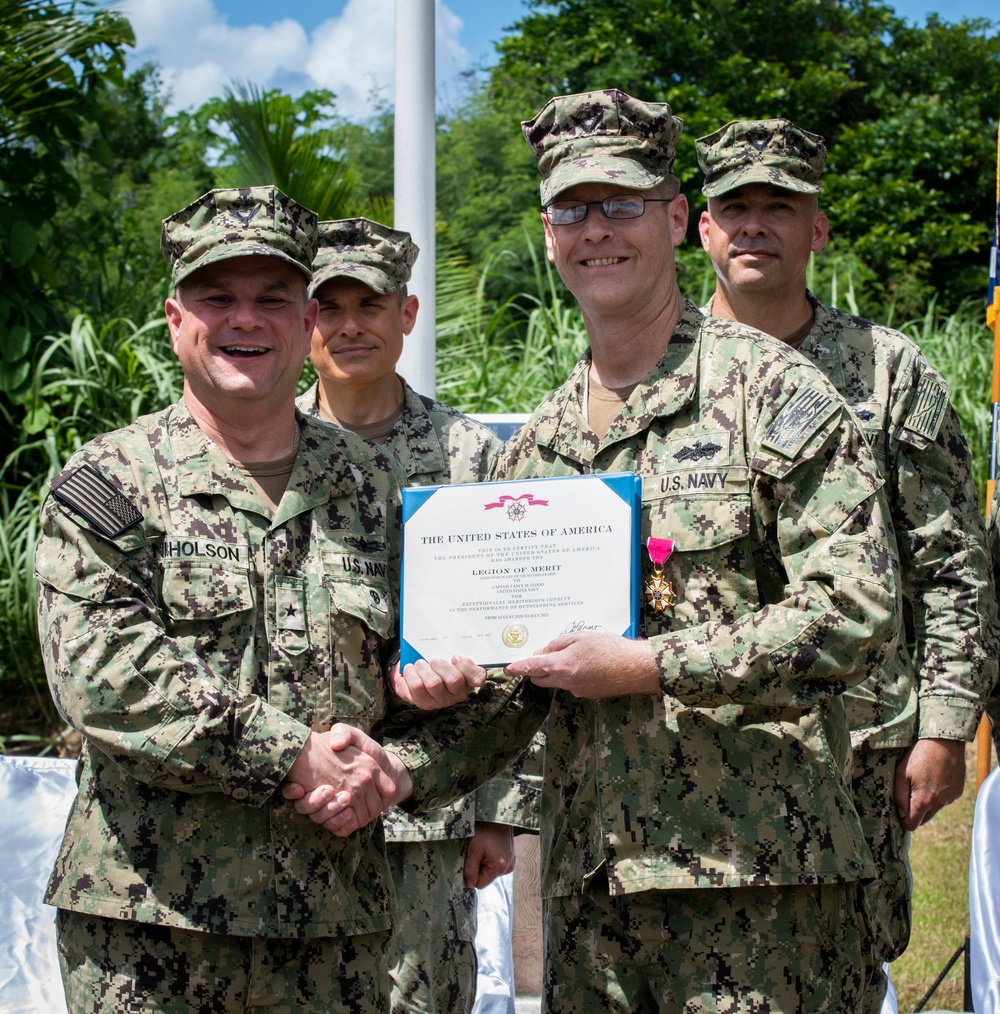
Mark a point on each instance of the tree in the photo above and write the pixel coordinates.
(58, 59)
(909, 115)
(106, 245)
(268, 137)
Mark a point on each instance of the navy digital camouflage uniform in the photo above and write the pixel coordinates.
(196, 636)
(936, 683)
(432, 957)
(700, 851)
(152, 641)
(737, 776)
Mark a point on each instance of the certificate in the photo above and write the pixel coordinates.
(496, 570)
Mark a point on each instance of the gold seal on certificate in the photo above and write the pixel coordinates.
(496, 570)
(514, 635)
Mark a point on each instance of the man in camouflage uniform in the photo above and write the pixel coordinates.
(438, 859)
(993, 541)
(217, 591)
(911, 720)
(699, 847)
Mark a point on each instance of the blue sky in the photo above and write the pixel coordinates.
(344, 45)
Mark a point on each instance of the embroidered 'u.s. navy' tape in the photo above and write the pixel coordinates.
(105, 507)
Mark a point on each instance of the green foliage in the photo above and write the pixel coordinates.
(368, 148)
(89, 380)
(267, 137)
(19, 533)
(507, 357)
(108, 244)
(278, 140)
(487, 183)
(58, 60)
(909, 115)
(86, 381)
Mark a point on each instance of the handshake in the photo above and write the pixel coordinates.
(343, 779)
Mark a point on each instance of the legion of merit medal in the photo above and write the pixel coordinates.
(660, 594)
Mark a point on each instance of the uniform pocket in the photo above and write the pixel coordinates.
(711, 567)
(361, 619)
(197, 590)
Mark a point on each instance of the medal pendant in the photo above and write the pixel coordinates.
(659, 593)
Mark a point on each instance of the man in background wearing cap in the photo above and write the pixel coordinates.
(217, 592)
(699, 847)
(909, 721)
(438, 859)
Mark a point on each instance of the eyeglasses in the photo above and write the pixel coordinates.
(617, 207)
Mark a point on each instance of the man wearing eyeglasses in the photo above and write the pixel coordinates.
(699, 847)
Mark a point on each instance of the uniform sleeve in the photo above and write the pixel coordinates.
(825, 560)
(472, 449)
(945, 564)
(455, 750)
(131, 689)
(513, 797)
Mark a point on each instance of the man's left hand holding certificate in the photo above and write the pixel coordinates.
(496, 571)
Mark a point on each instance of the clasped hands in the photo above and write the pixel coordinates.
(343, 779)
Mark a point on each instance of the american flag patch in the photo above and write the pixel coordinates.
(927, 411)
(808, 409)
(104, 506)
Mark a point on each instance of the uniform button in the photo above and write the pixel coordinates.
(240, 794)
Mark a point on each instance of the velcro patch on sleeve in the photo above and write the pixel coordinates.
(929, 406)
(105, 507)
(804, 414)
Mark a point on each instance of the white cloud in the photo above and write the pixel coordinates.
(352, 54)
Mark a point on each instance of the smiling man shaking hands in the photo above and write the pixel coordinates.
(217, 602)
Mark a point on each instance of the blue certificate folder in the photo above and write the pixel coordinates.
(495, 570)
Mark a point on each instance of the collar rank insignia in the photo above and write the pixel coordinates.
(697, 452)
(103, 505)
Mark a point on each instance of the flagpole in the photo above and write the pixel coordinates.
(983, 742)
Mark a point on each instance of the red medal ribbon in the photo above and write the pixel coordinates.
(659, 549)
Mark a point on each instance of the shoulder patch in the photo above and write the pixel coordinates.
(807, 410)
(929, 406)
(104, 506)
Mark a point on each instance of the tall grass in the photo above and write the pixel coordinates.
(506, 358)
(85, 381)
(89, 380)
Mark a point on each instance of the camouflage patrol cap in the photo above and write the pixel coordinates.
(369, 251)
(237, 223)
(761, 151)
(602, 137)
